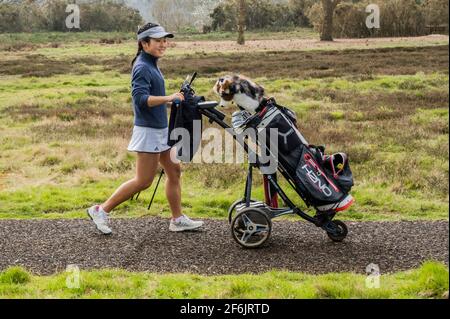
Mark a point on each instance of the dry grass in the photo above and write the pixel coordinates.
(321, 64)
(301, 64)
(97, 128)
(72, 130)
(38, 65)
(81, 109)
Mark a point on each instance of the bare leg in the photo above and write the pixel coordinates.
(146, 168)
(173, 183)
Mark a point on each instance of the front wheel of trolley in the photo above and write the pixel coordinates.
(336, 230)
(251, 228)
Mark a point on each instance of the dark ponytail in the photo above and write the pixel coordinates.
(146, 39)
(140, 48)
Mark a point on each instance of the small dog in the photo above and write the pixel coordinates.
(246, 94)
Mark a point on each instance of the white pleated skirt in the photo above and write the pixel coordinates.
(149, 140)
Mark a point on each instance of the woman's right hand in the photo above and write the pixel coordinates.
(177, 96)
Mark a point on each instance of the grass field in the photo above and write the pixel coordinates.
(66, 119)
(428, 281)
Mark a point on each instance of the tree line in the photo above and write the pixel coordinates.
(336, 18)
(50, 15)
(332, 18)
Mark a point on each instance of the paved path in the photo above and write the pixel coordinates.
(48, 246)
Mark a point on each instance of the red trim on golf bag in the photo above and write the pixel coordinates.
(341, 209)
(309, 159)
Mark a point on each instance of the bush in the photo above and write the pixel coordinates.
(350, 20)
(20, 18)
(9, 18)
(436, 12)
(401, 18)
(109, 16)
(261, 14)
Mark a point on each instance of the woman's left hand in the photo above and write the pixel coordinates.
(177, 96)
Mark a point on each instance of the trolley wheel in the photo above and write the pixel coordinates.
(251, 228)
(232, 209)
(336, 230)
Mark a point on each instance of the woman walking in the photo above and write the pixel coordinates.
(150, 134)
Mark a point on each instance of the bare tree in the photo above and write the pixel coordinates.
(173, 14)
(328, 6)
(177, 15)
(241, 22)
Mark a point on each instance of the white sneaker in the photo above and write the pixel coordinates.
(100, 218)
(184, 223)
(338, 207)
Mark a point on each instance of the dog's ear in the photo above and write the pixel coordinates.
(226, 86)
(217, 86)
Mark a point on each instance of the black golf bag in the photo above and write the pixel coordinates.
(320, 179)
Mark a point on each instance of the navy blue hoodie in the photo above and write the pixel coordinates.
(147, 80)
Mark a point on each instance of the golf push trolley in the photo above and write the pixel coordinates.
(251, 220)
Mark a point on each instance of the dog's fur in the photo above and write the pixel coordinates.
(246, 94)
